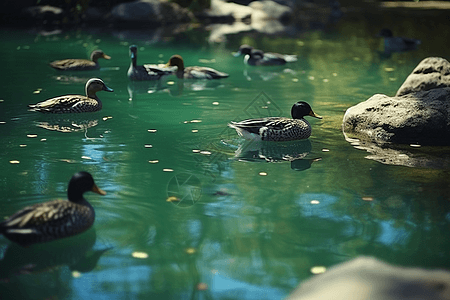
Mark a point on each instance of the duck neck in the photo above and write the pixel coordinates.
(180, 70)
(133, 59)
(180, 73)
(75, 195)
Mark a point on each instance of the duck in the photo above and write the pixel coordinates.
(256, 57)
(48, 221)
(397, 44)
(77, 64)
(194, 72)
(74, 103)
(278, 128)
(146, 71)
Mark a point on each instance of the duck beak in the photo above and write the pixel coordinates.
(108, 89)
(97, 190)
(237, 54)
(106, 56)
(313, 114)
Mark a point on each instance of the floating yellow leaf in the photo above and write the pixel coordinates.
(318, 270)
(14, 162)
(153, 161)
(325, 150)
(148, 146)
(32, 135)
(205, 152)
(263, 173)
(76, 274)
(85, 157)
(202, 286)
(167, 170)
(152, 130)
(215, 103)
(314, 202)
(194, 130)
(190, 250)
(367, 198)
(172, 199)
(140, 255)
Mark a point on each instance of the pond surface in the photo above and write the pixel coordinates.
(249, 223)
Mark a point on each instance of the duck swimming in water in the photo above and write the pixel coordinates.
(74, 103)
(146, 71)
(194, 72)
(76, 64)
(55, 219)
(256, 57)
(278, 128)
(395, 43)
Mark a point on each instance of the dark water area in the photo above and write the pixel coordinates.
(254, 219)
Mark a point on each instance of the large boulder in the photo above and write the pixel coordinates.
(421, 116)
(430, 73)
(368, 278)
(151, 11)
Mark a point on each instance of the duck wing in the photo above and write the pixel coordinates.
(47, 221)
(74, 64)
(65, 104)
(254, 125)
(203, 73)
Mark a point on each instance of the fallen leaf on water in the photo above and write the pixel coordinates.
(190, 250)
(173, 199)
(202, 286)
(141, 255)
(318, 269)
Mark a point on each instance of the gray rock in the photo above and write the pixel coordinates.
(416, 118)
(430, 73)
(221, 9)
(418, 114)
(151, 11)
(368, 278)
(270, 10)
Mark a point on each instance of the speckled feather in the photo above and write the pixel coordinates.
(275, 129)
(75, 64)
(68, 104)
(47, 221)
(74, 103)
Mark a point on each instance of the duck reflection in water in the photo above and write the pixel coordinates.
(68, 123)
(77, 253)
(294, 152)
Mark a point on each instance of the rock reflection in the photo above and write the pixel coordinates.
(416, 156)
(77, 253)
(294, 152)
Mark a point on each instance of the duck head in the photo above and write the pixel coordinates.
(80, 183)
(133, 54)
(243, 50)
(95, 85)
(96, 54)
(301, 109)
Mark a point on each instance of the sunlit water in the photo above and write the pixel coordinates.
(250, 224)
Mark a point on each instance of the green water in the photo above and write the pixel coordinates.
(246, 227)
